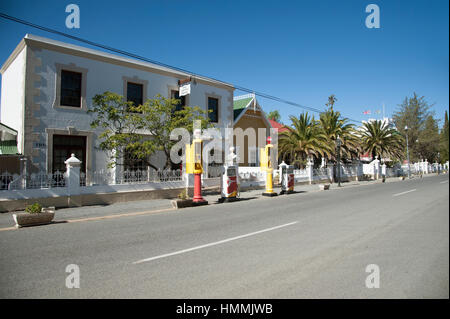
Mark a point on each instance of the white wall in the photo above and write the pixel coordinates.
(101, 77)
(12, 99)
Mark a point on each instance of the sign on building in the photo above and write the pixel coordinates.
(185, 89)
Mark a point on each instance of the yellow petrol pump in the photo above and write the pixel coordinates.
(266, 165)
(194, 165)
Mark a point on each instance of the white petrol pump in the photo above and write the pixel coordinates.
(287, 178)
(229, 182)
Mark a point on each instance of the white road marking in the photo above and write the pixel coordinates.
(214, 243)
(444, 182)
(412, 190)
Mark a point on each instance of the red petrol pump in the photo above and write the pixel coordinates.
(287, 178)
(230, 183)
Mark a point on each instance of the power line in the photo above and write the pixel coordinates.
(132, 55)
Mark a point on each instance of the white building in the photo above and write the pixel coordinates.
(385, 121)
(47, 87)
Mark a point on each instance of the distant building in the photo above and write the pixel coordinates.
(248, 114)
(278, 126)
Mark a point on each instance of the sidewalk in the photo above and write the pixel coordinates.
(147, 206)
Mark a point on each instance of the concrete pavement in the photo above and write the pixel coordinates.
(315, 244)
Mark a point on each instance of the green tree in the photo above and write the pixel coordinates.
(378, 139)
(131, 134)
(331, 100)
(332, 125)
(274, 115)
(412, 113)
(428, 141)
(302, 140)
(444, 140)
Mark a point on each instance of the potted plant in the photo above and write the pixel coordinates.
(183, 201)
(34, 215)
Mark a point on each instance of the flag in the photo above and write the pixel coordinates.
(366, 112)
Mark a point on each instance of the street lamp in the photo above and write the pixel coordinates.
(338, 143)
(407, 151)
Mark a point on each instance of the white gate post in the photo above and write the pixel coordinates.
(309, 170)
(73, 178)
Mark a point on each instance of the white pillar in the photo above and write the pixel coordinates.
(73, 179)
(376, 168)
(23, 171)
(309, 170)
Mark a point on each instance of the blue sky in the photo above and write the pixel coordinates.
(301, 51)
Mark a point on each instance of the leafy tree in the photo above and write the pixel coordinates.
(444, 141)
(413, 113)
(379, 139)
(428, 141)
(131, 134)
(302, 140)
(274, 115)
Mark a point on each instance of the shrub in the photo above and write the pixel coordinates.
(34, 208)
(183, 194)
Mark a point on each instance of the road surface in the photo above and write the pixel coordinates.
(304, 245)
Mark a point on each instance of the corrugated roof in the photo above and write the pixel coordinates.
(8, 147)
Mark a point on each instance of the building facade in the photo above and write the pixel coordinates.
(48, 86)
(251, 129)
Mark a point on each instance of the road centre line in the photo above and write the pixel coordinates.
(213, 243)
(412, 190)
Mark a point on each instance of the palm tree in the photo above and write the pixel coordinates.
(333, 125)
(379, 139)
(331, 100)
(303, 140)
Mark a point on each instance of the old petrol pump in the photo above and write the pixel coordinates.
(194, 165)
(230, 179)
(266, 165)
(287, 178)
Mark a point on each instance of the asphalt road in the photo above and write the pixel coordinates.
(304, 245)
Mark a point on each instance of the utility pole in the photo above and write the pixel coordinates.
(338, 142)
(407, 152)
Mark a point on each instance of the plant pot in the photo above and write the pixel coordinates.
(324, 186)
(26, 219)
(182, 203)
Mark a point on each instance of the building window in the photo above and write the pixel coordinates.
(174, 94)
(70, 88)
(213, 109)
(135, 93)
(64, 146)
(133, 163)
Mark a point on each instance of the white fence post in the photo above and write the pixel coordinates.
(23, 172)
(73, 175)
(309, 170)
(376, 172)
